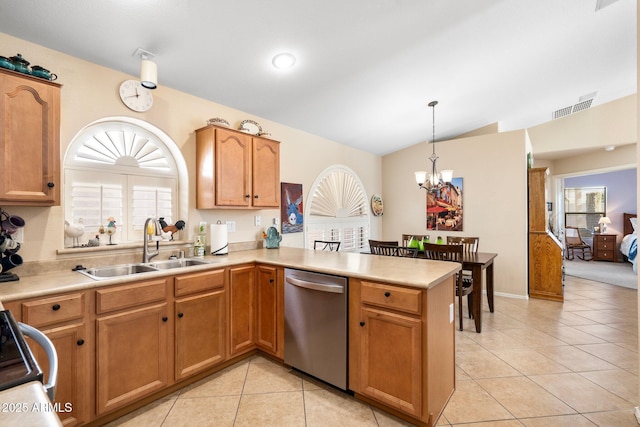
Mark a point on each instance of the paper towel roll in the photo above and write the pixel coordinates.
(219, 239)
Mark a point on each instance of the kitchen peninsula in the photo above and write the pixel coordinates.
(183, 324)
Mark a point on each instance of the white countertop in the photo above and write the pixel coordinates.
(27, 405)
(418, 273)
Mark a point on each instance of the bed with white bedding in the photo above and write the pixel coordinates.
(629, 245)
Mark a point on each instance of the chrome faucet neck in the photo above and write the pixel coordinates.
(148, 254)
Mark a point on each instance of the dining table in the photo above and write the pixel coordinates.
(477, 262)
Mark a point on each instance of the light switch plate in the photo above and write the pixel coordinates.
(257, 221)
(231, 226)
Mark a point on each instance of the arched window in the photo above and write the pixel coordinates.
(338, 210)
(125, 169)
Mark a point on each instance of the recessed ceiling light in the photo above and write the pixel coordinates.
(609, 148)
(283, 61)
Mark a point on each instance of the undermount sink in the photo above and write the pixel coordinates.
(117, 270)
(101, 273)
(178, 263)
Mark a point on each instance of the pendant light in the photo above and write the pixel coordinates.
(433, 181)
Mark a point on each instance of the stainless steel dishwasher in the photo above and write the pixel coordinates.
(315, 322)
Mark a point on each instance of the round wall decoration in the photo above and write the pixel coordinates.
(376, 205)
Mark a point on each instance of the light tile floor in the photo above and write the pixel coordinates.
(536, 363)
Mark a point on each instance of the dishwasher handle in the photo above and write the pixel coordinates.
(323, 287)
(50, 349)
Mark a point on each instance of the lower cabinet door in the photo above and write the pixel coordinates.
(267, 309)
(72, 390)
(242, 299)
(200, 333)
(132, 351)
(391, 365)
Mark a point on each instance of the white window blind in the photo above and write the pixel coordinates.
(338, 210)
(120, 170)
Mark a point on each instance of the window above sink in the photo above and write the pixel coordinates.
(127, 169)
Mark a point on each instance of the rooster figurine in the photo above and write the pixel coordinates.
(74, 231)
(169, 230)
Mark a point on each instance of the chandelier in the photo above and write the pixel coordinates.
(434, 181)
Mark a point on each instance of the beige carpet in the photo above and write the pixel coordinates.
(614, 273)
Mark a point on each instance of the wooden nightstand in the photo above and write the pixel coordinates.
(604, 247)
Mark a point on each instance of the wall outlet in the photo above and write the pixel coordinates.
(451, 311)
(276, 221)
(257, 221)
(231, 226)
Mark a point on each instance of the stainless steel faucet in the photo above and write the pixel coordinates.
(146, 254)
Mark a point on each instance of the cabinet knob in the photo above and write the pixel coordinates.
(270, 280)
(248, 196)
(180, 314)
(387, 294)
(165, 318)
(50, 184)
(80, 341)
(55, 307)
(361, 323)
(256, 196)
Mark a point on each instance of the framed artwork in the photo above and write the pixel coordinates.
(291, 208)
(444, 207)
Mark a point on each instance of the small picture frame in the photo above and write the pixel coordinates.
(596, 230)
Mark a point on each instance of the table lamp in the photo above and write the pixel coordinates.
(603, 221)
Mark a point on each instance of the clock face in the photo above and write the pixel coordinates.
(135, 96)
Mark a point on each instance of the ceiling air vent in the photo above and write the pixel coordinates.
(584, 102)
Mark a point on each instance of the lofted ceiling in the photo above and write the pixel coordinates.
(365, 69)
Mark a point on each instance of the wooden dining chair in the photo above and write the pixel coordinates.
(391, 250)
(470, 246)
(326, 245)
(451, 253)
(375, 243)
(573, 242)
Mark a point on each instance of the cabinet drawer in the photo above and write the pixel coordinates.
(198, 282)
(605, 254)
(608, 245)
(57, 309)
(402, 299)
(134, 295)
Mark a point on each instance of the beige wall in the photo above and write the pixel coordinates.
(90, 92)
(623, 157)
(612, 123)
(494, 172)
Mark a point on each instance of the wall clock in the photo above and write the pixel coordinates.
(135, 96)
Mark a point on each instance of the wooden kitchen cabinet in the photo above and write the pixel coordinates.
(134, 343)
(242, 297)
(200, 322)
(270, 310)
(236, 170)
(29, 140)
(63, 319)
(604, 247)
(401, 347)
